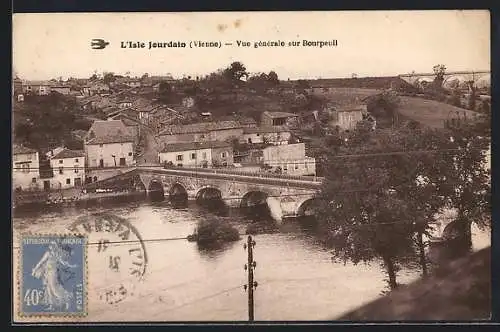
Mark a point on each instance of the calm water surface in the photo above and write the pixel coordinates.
(297, 280)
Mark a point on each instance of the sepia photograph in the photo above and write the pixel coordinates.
(251, 167)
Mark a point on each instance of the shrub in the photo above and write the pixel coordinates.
(210, 232)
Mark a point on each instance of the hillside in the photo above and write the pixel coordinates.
(460, 291)
(429, 112)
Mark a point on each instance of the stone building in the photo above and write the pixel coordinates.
(197, 154)
(25, 168)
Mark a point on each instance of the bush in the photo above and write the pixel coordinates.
(210, 232)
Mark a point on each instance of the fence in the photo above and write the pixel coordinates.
(246, 173)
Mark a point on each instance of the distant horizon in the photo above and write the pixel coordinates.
(366, 43)
(280, 78)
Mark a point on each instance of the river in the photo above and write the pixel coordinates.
(297, 280)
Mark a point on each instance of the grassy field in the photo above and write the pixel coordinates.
(429, 112)
(347, 96)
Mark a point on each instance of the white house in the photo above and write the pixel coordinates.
(109, 143)
(68, 167)
(267, 134)
(197, 154)
(291, 158)
(25, 168)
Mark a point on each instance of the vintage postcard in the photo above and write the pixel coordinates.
(251, 166)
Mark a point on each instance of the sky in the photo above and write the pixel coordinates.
(369, 43)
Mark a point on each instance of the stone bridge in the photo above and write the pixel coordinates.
(286, 196)
(480, 78)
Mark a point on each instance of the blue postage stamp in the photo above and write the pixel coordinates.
(53, 275)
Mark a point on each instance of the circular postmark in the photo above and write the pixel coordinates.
(116, 254)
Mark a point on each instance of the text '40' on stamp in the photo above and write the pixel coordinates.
(53, 275)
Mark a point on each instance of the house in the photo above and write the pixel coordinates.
(25, 168)
(68, 168)
(133, 125)
(347, 117)
(124, 103)
(109, 143)
(133, 83)
(90, 103)
(201, 132)
(62, 89)
(17, 85)
(41, 88)
(85, 90)
(272, 135)
(197, 154)
(98, 87)
(278, 118)
(290, 158)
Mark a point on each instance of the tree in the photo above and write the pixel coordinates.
(165, 91)
(236, 71)
(439, 72)
(384, 107)
(466, 185)
(380, 205)
(273, 78)
(108, 78)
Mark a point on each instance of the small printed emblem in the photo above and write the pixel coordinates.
(53, 275)
(98, 44)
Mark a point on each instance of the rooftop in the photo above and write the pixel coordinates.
(276, 115)
(200, 127)
(18, 149)
(266, 129)
(194, 146)
(66, 153)
(108, 131)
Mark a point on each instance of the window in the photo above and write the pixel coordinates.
(76, 169)
(296, 166)
(179, 165)
(68, 181)
(130, 154)
(202, 136)
(193, 155)
(25, 168)
(100, 145)
(61, 161)
(258, 135)
(76, 160)
(61, 170)
(223, 154)
(122, 162)
(179, 157)
(204, 155)
(33, 180)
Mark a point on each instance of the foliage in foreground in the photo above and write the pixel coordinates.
(377, 203)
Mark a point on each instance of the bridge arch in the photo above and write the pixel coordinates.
(306, 207)
(155, 190)
(253, 198)
(178, 191)
(208, 192)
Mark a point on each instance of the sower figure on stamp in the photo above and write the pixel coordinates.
(48, 269)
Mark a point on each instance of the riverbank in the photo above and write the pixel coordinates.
(72, 198)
